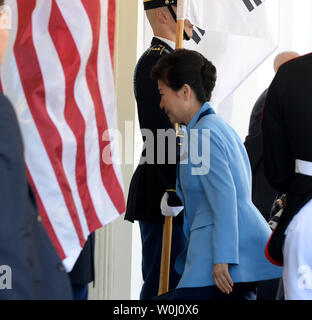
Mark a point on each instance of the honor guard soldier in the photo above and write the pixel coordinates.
(287, 142)
(263, 194)
(151, 180)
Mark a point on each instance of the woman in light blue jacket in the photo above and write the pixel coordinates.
(225, 232)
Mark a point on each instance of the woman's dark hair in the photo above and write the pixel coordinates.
(1, 2)
(184, 66)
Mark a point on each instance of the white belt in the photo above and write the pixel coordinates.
(304, 167)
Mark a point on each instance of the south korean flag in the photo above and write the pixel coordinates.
(198, 33)
(237, 36)
(241, 17)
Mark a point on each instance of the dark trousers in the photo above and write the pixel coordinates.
(151, 236)
(270, 290)
(241, 291)
(80, 291)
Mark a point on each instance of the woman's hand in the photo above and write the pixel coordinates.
(222, 277)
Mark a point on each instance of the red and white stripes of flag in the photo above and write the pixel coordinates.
(61, 81)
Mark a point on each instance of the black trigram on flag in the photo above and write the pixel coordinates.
(198, 34)
(251, 4)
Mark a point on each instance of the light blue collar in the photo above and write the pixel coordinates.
(206, 106)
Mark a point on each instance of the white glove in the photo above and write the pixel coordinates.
(166, 210)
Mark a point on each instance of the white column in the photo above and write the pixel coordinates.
(115, 271)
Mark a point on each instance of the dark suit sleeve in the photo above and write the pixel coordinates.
(254, 147)
(278, 164)
(15, 231)
(256, 115)
(12, 171)
(24, 244)
(253, 141)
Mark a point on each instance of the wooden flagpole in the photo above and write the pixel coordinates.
(167, 231)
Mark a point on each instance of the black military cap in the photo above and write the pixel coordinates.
(152, 4)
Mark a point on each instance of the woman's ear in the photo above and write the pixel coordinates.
(187, 91)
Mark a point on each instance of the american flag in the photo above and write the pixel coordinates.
(58, 75)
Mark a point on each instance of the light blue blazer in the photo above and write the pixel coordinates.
(221, 223)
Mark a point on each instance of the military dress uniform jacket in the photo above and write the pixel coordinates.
(150, 181)
(287, 136)
(221, 223)
(36, 270)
